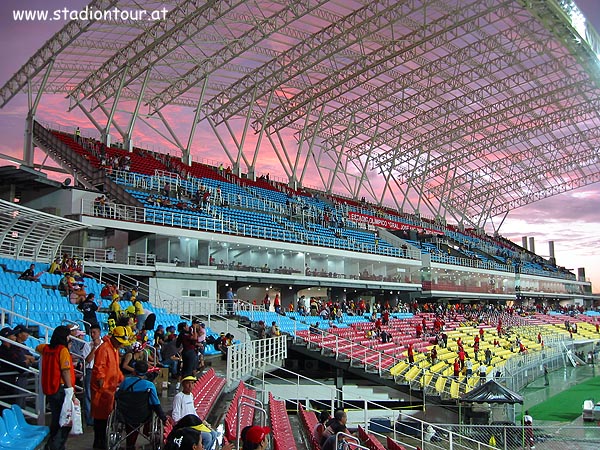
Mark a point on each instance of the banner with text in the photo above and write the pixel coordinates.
(387, 223)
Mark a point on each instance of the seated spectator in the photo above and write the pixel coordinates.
(139, 383)
(108, 291)
(55, 267)
(22, 358)
(334, 426)
(29, 275)
(319, 427)
(255, 438)
(78, 294)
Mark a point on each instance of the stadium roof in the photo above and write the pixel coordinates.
(464, 108)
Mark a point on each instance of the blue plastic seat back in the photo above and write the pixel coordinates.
(23, 424)
(13, 429)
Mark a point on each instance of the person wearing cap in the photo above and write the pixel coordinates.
(209, 438)
(183, 402)
(255, 438)
(58, 378)
(139, 383)
(106, 377)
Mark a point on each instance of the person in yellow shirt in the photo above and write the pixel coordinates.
(55, 267)
(140, 314)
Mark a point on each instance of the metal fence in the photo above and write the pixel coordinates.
(243, 359)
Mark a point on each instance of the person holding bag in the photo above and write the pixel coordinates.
(58, 378)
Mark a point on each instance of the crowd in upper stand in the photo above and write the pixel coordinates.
(306, 206)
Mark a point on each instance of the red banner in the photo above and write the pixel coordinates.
(387, 223)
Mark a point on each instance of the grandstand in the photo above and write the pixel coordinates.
(360, 220)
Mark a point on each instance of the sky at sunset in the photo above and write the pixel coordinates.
(571, 220)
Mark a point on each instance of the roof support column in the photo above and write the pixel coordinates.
(278, 154)
(252, 168)
(170, 130)
(186, 156)
(128, 138)
(311, 147)
(340, 154)
(32, 104)
(107, 114)
(218, 135)
(106, 132)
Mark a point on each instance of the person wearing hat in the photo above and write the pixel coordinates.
(183, 406)
(183, 402)
(106, 377)
(139, 383)
(58, 378)
(209, 438)
(255, 438)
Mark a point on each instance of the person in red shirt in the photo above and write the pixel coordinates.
(481, 332)
(456, 368)
(419, 330)
(58, 378)
(411, 355)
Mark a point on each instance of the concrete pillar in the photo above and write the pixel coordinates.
(581, 274)
(532, 244)
(524, 242)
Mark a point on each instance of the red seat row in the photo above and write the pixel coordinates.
(283, 438)
(246, 412)
(206, 392)
(309, 421)
(369, 440)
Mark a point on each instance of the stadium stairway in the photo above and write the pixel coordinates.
(73, 158)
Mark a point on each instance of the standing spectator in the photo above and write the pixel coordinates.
(106, 377)
(187, 339)
(528, 423)
(140, 314)
(488, 356)
(277, 304)
(89, 307)
(411, 354)
(95, 342)
(58, 378)
(229, 301)
(546, 379)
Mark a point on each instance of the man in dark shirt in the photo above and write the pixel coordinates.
(30, 275)
(89, 307)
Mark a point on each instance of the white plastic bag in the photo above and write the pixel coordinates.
(77, 427)
(66, 413)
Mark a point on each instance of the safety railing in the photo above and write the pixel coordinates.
(244, 358)
(315, 395)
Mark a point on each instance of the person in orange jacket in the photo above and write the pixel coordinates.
(106, 377)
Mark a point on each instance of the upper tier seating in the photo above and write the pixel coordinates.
(293, 215)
